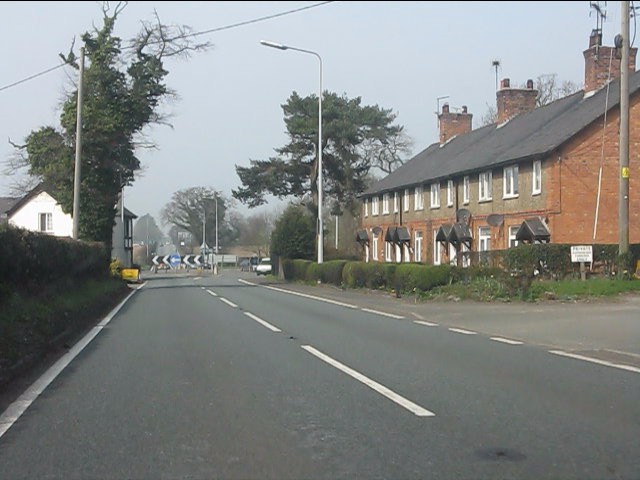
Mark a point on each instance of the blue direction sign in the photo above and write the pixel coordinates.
(175, 260)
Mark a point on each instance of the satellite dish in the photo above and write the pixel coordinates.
(495, 219)
(463, 215)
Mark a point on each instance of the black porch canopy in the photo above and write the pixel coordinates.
(533, 230)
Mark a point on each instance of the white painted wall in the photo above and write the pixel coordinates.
(28, 216)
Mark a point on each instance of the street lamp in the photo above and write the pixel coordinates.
(320, 226)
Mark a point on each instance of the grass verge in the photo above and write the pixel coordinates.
(33, 324)
(487, 289)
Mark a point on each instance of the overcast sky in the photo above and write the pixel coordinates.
(397, 55)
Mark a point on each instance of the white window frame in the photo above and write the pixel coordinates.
(437, 249)
(396, 202)
(406, 251)
(536, 178)
(435, 195)
(374, 206)
(417, 249)
(388, 251)
(484, 186)
(418, 198)
(407, 199)
(513, 229)
(466, 190)
(366, 207)
(484, 239)
(449, 193)
(374, 246)
(466, 257)
(48, 222)
(385, 204)
(510, 182)
(398, 253)
(453, 255)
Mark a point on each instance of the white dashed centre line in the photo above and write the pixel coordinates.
(262, 322)
(462, 331)
(212, 293)
(506, 340)
(381, 389)
(228, 302)
(426, 324)
(384, 314)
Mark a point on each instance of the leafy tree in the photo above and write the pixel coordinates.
(146, 230)
(294, 234)
(123, 92)
(355, 138)
(186, 210)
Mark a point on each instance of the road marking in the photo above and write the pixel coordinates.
(262, 322)
(426, 324)
(621, 352)
(384, 314)
(381, 389)
(18, 407)
(506, 340)
(596, 360)
(291, 292)
(212, 293)
(464, 332)
(231, 304)
(202, 288)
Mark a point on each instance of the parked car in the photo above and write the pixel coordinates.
(264, 267)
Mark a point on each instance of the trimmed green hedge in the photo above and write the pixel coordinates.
(29, 259)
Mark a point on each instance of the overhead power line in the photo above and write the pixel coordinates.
(194, 34)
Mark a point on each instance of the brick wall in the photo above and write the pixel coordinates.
(576, 184)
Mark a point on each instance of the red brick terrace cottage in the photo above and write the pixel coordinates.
(546, 174)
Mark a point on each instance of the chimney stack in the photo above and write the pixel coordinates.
(452, 124)
(597, 59)
(514, 101)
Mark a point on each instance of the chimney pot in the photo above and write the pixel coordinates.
(504, 83)
(595, 39)
(453, 123)
(530, 84)
(603, 63)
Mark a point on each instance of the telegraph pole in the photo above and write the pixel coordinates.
(77, 177)
(624, 135)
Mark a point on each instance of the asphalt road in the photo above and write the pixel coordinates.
(230, 377)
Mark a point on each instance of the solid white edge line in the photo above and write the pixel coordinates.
(464, 332)
(595, 360)
(228, 302)
(262, 322)
(381, 389)
(384, 314)
(321, 299)
(212, 293)
(19, 406)
(426, 324)
(506, 340)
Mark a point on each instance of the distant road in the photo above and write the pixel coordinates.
(217, 377)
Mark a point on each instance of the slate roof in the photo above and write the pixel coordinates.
(529, 135)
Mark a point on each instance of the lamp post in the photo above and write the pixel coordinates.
(320, 225)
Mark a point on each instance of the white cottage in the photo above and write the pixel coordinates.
(39, 211)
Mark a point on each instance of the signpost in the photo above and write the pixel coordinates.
(175, 260)
(582, 254)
